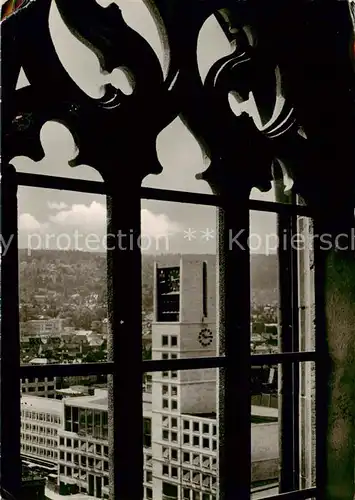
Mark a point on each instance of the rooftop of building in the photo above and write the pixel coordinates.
(70, 390)
(39, 361)
(259, 415)
(99, 401)
(38, 403)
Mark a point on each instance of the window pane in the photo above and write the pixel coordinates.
(178, 280)
(264, 283)
(297, 285)
(178, 400)
(183, 450)
(62, 260)
(273, 434)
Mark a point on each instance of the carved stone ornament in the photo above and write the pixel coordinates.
(275, 50)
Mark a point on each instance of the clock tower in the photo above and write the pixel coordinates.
(185, 327)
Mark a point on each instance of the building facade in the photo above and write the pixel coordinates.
(36, 386)
(41, 420)
(49, 326)
(83, 445)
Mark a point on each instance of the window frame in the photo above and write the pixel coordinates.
(10, 431)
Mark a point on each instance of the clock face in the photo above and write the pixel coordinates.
(173, 279)
(169, 280)
(205, 337)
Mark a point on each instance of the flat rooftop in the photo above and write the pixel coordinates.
(99, 401)
(69, 390)
(259, 414)
(38, 403)
(96, 402)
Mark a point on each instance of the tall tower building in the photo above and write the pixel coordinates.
(184, 327)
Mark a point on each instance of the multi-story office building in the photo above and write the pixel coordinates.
(35, 386)
(83, 445)
(41, 419)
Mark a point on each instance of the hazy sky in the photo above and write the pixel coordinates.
(49, 213)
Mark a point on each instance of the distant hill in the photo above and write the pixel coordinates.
(70, 272)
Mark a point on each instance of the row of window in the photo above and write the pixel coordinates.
(200, 427)
(51, 443)
(198, 479)
(36, 380)
(188, 494)
(78, 474)
(169, 341)
(38, 429)
(39, 451)
(169, 355)
(147, 383)
(38, 388)
(204, 480)
(171, 390)
(169, 404)
(84, 446)
(84, 420)
(83, 461)
(197, 460)
(170, 375)
(204, 442)
(172, 491)
(171, 422)
(189, 458)
(169, 436)
(44, 417)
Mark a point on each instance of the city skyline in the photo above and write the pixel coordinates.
(64, 433)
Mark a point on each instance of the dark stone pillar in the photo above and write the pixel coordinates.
(335, 377)
(340, 323)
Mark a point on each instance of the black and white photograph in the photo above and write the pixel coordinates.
(177, 302)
